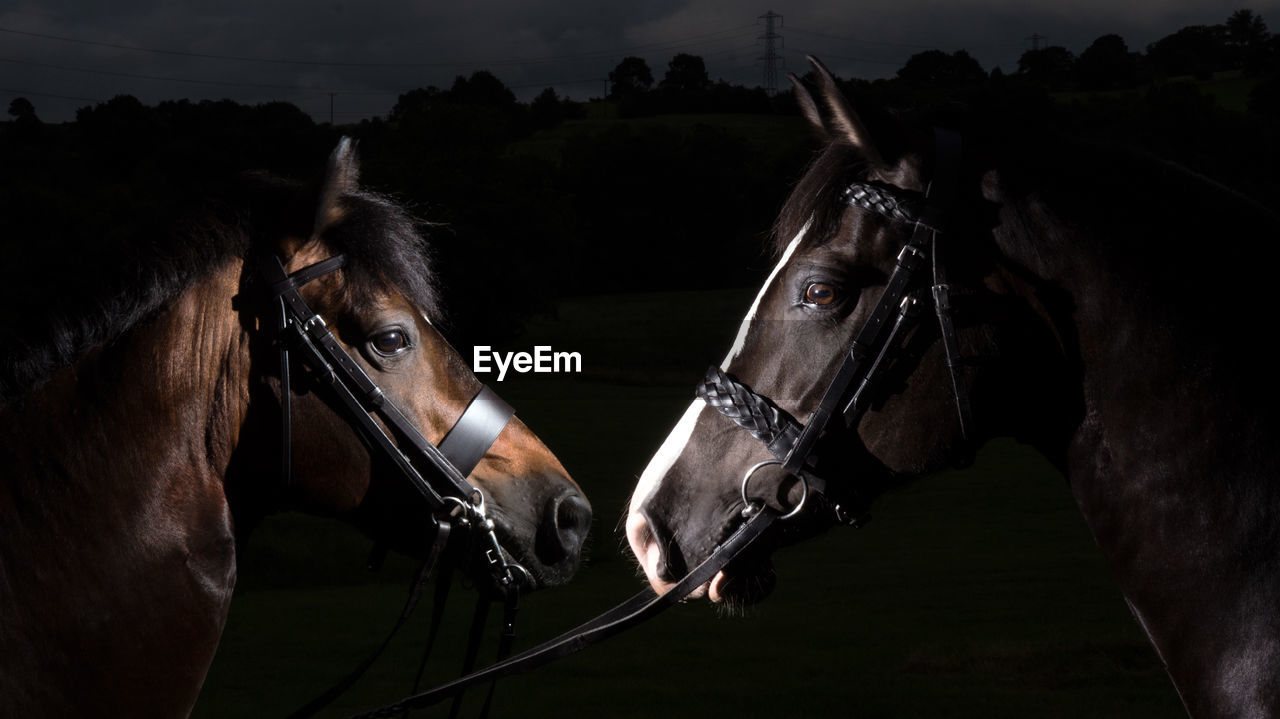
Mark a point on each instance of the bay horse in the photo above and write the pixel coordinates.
(939, 287)
(141, 443)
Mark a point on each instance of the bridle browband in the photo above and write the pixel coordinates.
(790, 442)
(860, 375)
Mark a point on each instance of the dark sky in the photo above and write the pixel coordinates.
(65, 54)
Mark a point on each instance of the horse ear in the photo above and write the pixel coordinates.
(843, 123)
(342, 177)
(809, 108)
(294, 241)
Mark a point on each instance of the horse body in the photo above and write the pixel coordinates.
(1107, 312)
(132, 477)
(1171, 461)
(119, 550)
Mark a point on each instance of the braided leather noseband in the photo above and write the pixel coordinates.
(850, 391)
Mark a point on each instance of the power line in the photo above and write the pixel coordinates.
(46, 94)
(815, 53)
(138, 76)
(662, 45)
(843, 38)
(666, 44)
(585, 81)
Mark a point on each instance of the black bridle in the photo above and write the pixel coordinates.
(438, 473)
(861, 374)
(849, 395)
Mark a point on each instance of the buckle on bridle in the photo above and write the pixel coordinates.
(471, 514)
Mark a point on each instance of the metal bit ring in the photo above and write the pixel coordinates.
(753, 507)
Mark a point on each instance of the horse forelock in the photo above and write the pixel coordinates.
(385, 248)
(814, 207)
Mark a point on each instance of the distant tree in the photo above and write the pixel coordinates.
(414, 102)
(482, 88)
(935, 68)
(23, 111)
(686, 74)
(477, 115)
(123, 114)
(1198, 50)
(630, 77)
(725, 97)
(1050, 66)
(1106, 64)
(1247, 36)
(1245, 28)
(546, 110)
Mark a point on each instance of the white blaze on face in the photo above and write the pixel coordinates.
(647, 551)
(741, 339)
(666, 455)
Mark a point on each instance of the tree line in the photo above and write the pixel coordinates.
(644, 189)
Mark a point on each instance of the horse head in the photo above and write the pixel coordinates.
(379, 304)
(841, 236)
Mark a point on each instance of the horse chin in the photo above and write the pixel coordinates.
(741, 586)
(751, 578)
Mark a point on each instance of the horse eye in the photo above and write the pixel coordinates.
(819, 293)
(390, 342)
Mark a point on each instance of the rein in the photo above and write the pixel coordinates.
(639, 608)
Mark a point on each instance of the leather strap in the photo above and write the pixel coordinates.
(476, 430)
(415, 591)
(637, 609)
(754, 413)
(865, 346)
(292, 282)
(946, 174)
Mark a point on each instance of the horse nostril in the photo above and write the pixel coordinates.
(671, 566)
(571, 516)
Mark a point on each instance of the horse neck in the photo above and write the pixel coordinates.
(113, 506)
(169, 394)
(1170, 457)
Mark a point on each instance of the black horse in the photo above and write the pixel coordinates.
(140, 442)
(1108, 308)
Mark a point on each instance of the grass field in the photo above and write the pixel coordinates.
(971, 594)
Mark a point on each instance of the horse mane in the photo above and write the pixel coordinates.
(382, 242)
